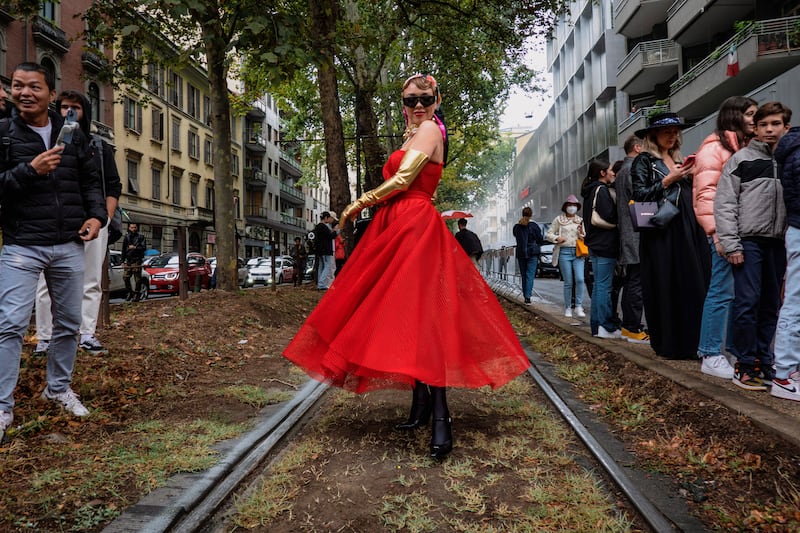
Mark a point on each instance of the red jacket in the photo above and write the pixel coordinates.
(711, 157)
(338, 247)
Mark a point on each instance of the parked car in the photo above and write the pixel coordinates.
(116, 287)
(242, 272)
(545, 266)
(262, 272)
(164, 275)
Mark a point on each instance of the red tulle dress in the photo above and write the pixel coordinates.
(408, 305)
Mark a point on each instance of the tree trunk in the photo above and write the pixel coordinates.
(224, 215)
(374, 155)
(324, 15)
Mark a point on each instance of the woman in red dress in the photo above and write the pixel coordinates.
(409, 310)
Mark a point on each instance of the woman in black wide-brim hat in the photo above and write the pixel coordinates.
(675, 260)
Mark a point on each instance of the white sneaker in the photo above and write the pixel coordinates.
(68, 400)
(788, 391)
(579, 312)
(568, 312)
(5, 421)
(603, 333)
(717, 366)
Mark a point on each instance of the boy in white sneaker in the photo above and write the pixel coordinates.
(786, 383)
(750, 217)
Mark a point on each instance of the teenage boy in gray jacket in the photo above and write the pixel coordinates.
(750, 217)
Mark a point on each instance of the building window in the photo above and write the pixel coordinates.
(210, 196)
(176, 189)
(176, 134)
(155, 79)
(132, 118)
(235, 164)
(133, 176)
(176, 91)
(157, 117)
(48, 11)
(194, 144)
(193, 101)
(94, 101)
(193, 192)
(156, 184)
(208, 151)
(207, 110)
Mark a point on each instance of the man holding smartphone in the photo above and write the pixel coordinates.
(50, 195)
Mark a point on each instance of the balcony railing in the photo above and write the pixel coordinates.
(774, 35)
(292, 192)
(292, 220)
(652, 53)
(255, 211)
(255, 175)
(254, 136)
(644, 112)
(49, 35)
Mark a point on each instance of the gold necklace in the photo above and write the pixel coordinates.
(411, 130)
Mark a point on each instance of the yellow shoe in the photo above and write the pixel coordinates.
(637, 338)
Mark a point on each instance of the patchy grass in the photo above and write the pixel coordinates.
(350, 470)
(255, 396)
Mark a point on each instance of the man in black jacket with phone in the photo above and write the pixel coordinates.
(51, 204)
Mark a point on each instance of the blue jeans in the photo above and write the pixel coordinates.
(572, 271)
(601, 313)
(20, 266)
(527, 271)
(325, 271)
(787, 336)
(756, 300)
(717, 308)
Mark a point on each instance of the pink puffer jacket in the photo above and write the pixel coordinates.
(711, 157)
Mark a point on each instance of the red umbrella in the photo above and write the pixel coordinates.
(455, 213)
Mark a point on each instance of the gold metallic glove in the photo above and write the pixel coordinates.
(407, 172)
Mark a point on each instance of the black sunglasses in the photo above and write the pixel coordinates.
(425, 99)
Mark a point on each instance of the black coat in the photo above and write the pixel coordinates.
(50, 209)
(529, 239)
(601, 242)
(470, 242)
(323, 239)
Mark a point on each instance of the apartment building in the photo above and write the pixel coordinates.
(51, 38)
(276, 207)
(679, 51)
(615, 63)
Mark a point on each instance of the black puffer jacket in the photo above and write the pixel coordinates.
(50, 209)
(787, 153)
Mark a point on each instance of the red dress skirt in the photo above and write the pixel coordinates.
(408, 305)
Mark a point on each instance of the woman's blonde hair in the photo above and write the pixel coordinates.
(650, 145)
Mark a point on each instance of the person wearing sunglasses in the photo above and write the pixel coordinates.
(387, 321)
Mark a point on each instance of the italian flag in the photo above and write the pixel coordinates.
(733, 62)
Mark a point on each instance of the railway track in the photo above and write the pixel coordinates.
(192, 504)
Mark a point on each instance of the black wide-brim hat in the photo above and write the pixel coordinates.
(663, 120)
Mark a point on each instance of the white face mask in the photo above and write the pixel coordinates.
(572, 209)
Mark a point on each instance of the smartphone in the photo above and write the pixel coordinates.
(689, 160)
(70, 125)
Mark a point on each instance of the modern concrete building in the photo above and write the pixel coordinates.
(614, 64)
(582, 122)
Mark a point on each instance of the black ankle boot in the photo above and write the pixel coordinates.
(420, 409)
(441, 438)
